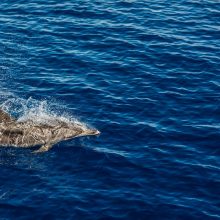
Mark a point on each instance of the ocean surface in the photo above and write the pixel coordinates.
(147, 75)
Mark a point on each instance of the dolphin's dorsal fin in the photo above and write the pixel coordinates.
(5, 117)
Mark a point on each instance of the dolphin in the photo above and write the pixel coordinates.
(30, 134)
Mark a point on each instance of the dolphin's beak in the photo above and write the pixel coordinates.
(90, 132)
(97, 132)
(93, 132)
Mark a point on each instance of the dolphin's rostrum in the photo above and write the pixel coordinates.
(28, 133)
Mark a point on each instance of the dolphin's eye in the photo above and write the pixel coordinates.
(56, 131)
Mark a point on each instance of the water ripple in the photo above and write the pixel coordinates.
(146, 75)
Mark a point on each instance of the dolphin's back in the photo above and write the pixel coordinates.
(21, 134)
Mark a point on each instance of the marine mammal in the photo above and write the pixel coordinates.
(29, 134)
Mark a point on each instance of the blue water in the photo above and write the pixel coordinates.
(146, 74)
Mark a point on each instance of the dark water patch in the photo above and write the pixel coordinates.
(146, 75)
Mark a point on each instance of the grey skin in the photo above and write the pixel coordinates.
(29, 134)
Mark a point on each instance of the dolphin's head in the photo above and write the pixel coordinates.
(66, 131)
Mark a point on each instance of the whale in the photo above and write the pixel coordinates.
(28, 133)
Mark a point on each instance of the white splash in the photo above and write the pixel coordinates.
(40, 112)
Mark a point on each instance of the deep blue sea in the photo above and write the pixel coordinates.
(147, 75)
